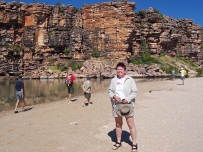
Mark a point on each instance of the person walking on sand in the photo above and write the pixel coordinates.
(182, 75)
(122, 92)
(70, 79)
(19, 86)
(173, 74)
(87, 88)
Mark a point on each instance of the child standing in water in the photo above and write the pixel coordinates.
(87, 87)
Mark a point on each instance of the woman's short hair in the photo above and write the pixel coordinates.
(121, 64)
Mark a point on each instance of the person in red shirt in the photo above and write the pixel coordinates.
(70, 79)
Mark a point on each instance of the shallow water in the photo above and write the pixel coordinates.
(49, 90)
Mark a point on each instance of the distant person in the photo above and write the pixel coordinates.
(183, 73)
(173, 74)
(19, 86)
(70, 79)
(87, 88)
(122, 92)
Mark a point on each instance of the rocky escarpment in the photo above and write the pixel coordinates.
(36, 36)
(163, 33)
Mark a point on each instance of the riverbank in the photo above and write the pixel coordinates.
(168, 117)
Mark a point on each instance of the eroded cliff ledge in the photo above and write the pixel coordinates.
(35, 36)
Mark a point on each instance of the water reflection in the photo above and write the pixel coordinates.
(48, 90)
(43, 90)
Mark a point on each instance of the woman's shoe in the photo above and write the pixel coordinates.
(116, 146)
(134, 148)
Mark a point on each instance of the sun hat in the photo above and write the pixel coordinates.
(124, 109)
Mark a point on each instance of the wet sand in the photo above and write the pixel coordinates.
(168, 118)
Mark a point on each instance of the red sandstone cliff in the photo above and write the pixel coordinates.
(34, 36)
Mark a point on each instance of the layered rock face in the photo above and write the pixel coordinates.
(107, 27)
(42, 33)
(155, 33)
(35, 36)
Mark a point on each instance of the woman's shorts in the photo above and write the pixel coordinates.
(87, 95)
(19, 95)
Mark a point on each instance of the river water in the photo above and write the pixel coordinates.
(48, 90)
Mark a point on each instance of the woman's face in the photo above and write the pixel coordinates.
(120, 72)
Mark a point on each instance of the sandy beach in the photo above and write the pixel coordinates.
(168, 118)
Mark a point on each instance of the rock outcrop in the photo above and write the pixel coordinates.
(36, 36)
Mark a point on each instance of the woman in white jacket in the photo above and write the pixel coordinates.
(123, 90)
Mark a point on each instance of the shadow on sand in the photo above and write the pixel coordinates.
(125, 137)
(27, 109)
(73, 100)
(179, 84)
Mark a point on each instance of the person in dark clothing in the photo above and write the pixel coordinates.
(19, 86)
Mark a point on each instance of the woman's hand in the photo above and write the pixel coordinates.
(124, 101)
(116, 98)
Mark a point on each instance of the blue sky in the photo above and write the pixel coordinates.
(178, 9)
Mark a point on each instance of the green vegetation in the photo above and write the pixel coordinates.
(137, 25)
(51, 59)
(168, 69)
(162, 53)
(67, 51)
(200, 71)
(61, 9)
(143, 23)
(95, 54)
(186, 61)
(76, 9)
(184, 24)
(54, 69)
(15, 48)
(52, 32)
(7, 45)
(162, 16)
(17, 74)
(63, 68)
(156, 11)
(166, 60)
(145, 58)
(141, 13)
(58, 4)
(71, 63)
(143, 44)
(168, 64)
(74, 65)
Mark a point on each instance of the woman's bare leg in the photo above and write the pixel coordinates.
(133, 130)
(119, 123)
